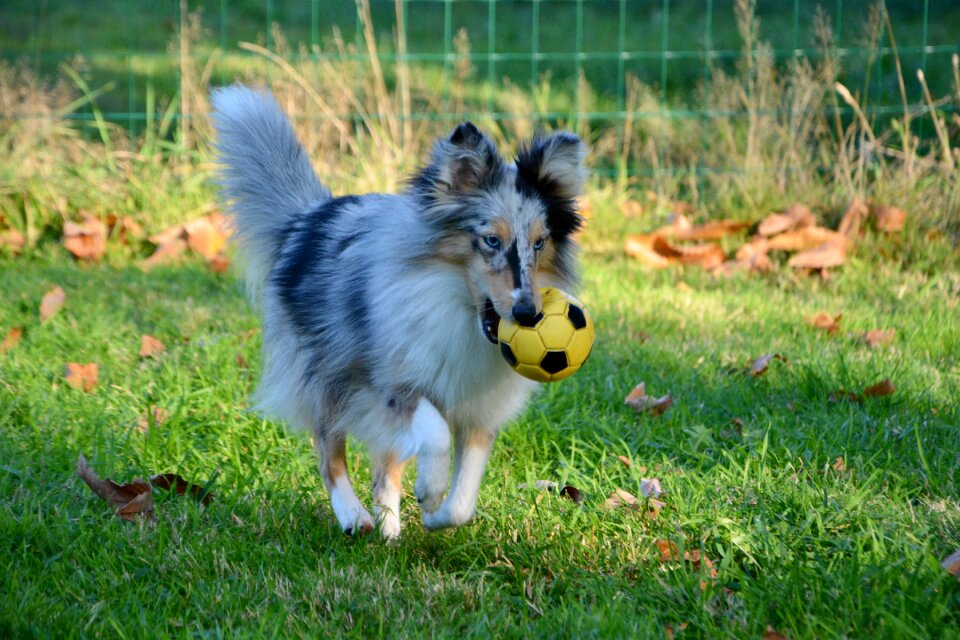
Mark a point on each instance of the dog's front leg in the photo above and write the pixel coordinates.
(472, 451)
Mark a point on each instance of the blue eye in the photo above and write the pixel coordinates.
(492, 241)
(538, 245)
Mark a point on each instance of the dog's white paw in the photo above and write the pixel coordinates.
(389, 525)
(353, 518)
(430, 487)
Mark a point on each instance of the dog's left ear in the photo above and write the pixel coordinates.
(553, 165)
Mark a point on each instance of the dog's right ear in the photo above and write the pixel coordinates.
(465, 161)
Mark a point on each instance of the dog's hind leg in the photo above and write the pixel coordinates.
(387, 474)
(351, 515)
(472, 451)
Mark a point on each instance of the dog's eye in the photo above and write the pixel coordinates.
(492, 241)
(538, 245)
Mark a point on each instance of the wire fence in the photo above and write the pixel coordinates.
(674, 46)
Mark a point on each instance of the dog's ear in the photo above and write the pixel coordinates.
(553, 165)
(465, 161)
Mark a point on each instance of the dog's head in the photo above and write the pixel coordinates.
(509, 225)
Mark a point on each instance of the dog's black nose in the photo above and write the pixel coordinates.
(525, 312)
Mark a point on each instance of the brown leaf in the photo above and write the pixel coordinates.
(204, 238)
(668, 550)
(839, 464)
(824, 321)
(853, 219)
(890, 219)
(219, 263)
(51, 303)
(952, 564)
(165, 252)
(128, 500)
(878, 337)
(708, 256)
(804, 239)
(757, 246)
(82, 376)
(621, 497)
(86, 240)
(772, 634)
(241, 362)
(761, 364)
(883, 388)
(150, 346)
(571, 492)
(641, 402)
(12, 241)
(625, 461)
(796, 216)
(640, 246)
(11, 340)
(832, 253)
(153, 418)
(174, 481)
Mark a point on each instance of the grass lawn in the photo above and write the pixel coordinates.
(800, 542)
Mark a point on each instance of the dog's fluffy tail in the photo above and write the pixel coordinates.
(265, 175)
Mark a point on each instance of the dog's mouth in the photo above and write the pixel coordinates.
(489, 321)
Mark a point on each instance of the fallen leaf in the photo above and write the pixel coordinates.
(204, 238)
(86, 240)
(883, 388)
(219, 263)
(11, 340)
(641, 402)
(51, 303)
(890, 219)
(640, 246)
(761, 364)
(796, 216)
(853, 219)
(82, 376)
(772, 634)
(668, 631)
(668, 550)
(709, 256)
(758, 245)
(830, 323)
(154, 417)
(150, 347)
(952, 564)
(832, 253)
(173, 481)
(12, 241)
(625, 461)
(571, 492)
(128, 500)
(804, 239)
(650, 487)
(165, 252)
(839, 464)
(241, 361)
(621, 497)
(878, 337)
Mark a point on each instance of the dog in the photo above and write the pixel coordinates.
(380, 311)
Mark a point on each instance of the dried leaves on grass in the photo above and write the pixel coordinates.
(640, 402)
(206, 236)
(86, 240)
(83, 377)
(11, 340)
(135, 498)
(51, 303)
(150, 347)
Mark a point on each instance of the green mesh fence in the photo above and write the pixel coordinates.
(674, 46)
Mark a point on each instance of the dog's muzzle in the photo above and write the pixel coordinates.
(489, 322)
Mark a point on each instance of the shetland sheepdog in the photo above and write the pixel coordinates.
(380, 311)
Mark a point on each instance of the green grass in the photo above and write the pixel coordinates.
(813, 552)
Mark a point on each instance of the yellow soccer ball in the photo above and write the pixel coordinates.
(555, 345)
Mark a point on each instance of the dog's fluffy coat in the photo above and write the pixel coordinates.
(378, 309)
